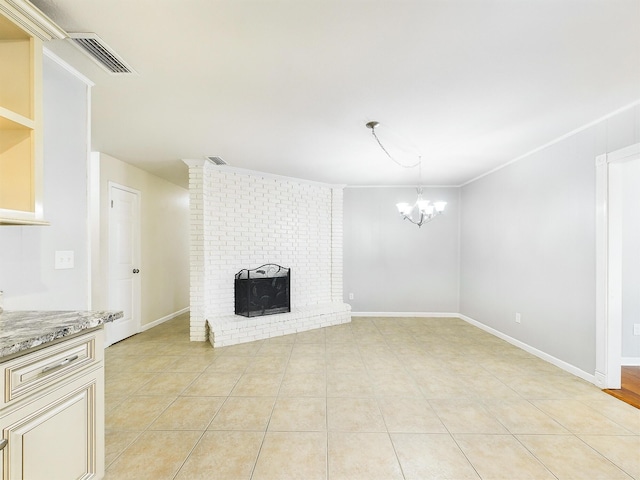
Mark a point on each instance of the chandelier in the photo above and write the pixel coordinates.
(421, 211)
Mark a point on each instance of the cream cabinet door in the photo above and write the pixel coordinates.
(56, 437)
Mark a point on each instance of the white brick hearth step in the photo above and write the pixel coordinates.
(235, 329)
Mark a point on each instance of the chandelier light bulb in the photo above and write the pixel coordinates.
(404, 208)
(440, 206)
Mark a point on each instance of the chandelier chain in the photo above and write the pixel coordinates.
(418, 163)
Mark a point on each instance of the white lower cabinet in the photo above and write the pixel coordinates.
(57, 433)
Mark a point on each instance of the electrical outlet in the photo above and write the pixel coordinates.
(64, 259)
(636, 328)
(518, 319)
(351, 296)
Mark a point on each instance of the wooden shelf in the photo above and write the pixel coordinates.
(10, 120)
(21, 221)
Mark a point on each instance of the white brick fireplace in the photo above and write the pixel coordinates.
(244, 219)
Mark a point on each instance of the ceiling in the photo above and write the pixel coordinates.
(286, 86)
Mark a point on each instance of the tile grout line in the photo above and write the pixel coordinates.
(266, 429)
(326, 409)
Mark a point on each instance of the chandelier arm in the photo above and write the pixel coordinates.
(423, 218)
(411, 220)
(419, 162)
(418, 223)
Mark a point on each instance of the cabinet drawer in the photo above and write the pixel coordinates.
(34, 371)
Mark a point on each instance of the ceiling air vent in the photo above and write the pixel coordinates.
(217, 160)
(101, 53)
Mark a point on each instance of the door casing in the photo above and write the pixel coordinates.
(608, 266)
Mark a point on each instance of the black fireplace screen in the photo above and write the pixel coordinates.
(263, 291)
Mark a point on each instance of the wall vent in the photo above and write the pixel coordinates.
(217, 160)
(92, 45)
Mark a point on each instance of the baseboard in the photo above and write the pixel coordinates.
(406, 314)
(600, 380)
(155, 323)
(630, 361)
(534, 351)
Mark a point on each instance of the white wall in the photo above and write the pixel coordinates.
(164, 231)
(27, 273)
(528, 243)
(392, 265)
(630, 258)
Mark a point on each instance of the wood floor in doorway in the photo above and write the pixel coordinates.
(630, 391)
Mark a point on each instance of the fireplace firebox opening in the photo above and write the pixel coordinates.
(262, 291)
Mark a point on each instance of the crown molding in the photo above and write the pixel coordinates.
(31, 19)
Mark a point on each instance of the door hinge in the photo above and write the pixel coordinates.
(111, 203)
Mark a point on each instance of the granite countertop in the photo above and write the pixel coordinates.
(21, 330)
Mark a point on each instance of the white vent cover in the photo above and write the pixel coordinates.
(217, 160)
(101, 53)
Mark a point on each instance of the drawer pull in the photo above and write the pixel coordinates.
(63, 363)
(3, 443)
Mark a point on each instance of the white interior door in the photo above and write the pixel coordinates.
(124, 262)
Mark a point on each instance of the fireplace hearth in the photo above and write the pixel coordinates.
(262, 291)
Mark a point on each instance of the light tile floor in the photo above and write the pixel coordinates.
(380, 398)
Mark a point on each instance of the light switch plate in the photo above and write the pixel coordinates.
(64, 259)
(636, 328)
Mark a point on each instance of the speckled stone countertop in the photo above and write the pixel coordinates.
(21, 330)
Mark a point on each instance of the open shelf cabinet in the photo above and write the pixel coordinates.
(23, 29)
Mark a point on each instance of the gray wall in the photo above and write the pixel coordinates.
(528, 243)
(391, 265)
(630, 258)
(27, 254)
